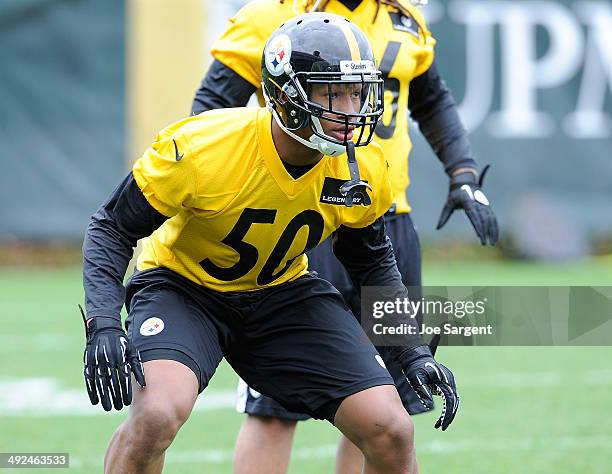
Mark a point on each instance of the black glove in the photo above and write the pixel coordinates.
(466, 193)
(428, 377)
(109, 360)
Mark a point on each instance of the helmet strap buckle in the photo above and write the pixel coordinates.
(355, 187)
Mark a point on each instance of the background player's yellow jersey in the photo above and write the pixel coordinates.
(238, 220)
(402, 46)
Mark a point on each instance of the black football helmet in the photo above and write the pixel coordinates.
(316, 50)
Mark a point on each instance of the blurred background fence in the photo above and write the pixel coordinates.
(85, 85)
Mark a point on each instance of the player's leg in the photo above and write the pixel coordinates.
(180, 351)
(156, 414)
(302, 346)
(266, 436)
(265, 439)
(349, 458)
(264, 445)
(376, 422)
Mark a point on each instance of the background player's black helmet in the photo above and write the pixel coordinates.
(314, 50)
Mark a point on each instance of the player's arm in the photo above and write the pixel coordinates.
(113, 232)
(221, 88)
(432, 106)
(367, 255)
(235, 72)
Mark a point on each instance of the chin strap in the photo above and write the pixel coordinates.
(325, 147)
(355, 187)
(314, 142)
(350, 190)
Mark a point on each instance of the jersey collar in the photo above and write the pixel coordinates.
(290, 186)
(365, 8)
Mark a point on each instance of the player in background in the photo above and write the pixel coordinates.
(230, 201)
(404, 50)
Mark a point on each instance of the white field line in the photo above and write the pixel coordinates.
(444, 448)
(43, 397)
(44, 342)
(17, 343)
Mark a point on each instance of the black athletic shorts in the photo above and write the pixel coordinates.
(401, 231)
(297, 342)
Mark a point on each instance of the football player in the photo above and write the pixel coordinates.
(404, 49)
(230, 201)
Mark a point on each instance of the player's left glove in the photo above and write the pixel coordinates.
(110, 359)
(466, 193)
(428, 377)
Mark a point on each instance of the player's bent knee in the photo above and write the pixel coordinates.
(154, 427)
(390, 434)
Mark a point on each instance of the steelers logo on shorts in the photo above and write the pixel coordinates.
(151, 327)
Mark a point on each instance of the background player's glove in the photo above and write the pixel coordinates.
(428, 377)
(109, 360)
(466, 193)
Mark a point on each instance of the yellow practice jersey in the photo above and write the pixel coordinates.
(402, 46)
(237, 220)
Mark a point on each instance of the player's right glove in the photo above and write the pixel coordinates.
(466, 193)
(428, 377)
(109, 360)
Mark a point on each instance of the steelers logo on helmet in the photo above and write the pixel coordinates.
(277, 54)
(319, 77)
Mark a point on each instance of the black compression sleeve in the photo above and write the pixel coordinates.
(432, 106)
(367, 255)
(111, 236)
(221, 88)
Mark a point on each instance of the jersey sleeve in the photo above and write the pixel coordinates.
(427, 42)
(166, 174)
(221, 88)
(241, 45)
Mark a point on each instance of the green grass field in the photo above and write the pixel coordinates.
(524, 410)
